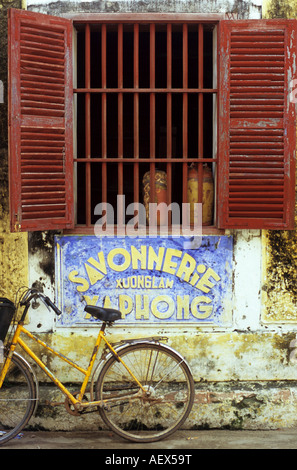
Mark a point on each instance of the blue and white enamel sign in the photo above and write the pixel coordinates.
(151, 281)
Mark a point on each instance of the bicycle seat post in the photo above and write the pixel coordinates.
(103, 326)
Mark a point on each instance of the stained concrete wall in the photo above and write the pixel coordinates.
(245, 374)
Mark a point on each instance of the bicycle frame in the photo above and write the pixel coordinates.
(86, 372)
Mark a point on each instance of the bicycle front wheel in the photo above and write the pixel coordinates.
(17, 399)
(163, 406)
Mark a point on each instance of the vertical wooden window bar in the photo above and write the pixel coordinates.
(146, 97)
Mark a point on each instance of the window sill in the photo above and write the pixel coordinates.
(83, 230)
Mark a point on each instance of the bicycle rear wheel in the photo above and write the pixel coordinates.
(164, 406)
(17, 399)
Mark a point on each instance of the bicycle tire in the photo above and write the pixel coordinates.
(166, 377)
(17, 399)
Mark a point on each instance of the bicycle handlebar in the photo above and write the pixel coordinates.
(52, 305)
(31, 293)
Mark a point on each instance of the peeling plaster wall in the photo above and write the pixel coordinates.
(245, 374)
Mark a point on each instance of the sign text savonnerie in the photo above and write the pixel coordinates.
(148, 280)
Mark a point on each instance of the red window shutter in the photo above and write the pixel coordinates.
(256, 169)
(40, 121)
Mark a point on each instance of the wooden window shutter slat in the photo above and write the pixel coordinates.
(40, 121)
(257, 126)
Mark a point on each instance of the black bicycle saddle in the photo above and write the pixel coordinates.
(103, 314)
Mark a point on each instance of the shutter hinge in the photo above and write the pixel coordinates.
(17, 225)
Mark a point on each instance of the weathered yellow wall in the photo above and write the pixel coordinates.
(213, 356)
(14, 260)
(280, 247)
(279, 276)
(279, 9)
(13, 247)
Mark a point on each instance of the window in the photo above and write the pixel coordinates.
(146, 102)
(151, 93)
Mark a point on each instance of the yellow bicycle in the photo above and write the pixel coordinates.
(142, 389)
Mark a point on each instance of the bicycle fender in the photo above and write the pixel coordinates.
(143, 341)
